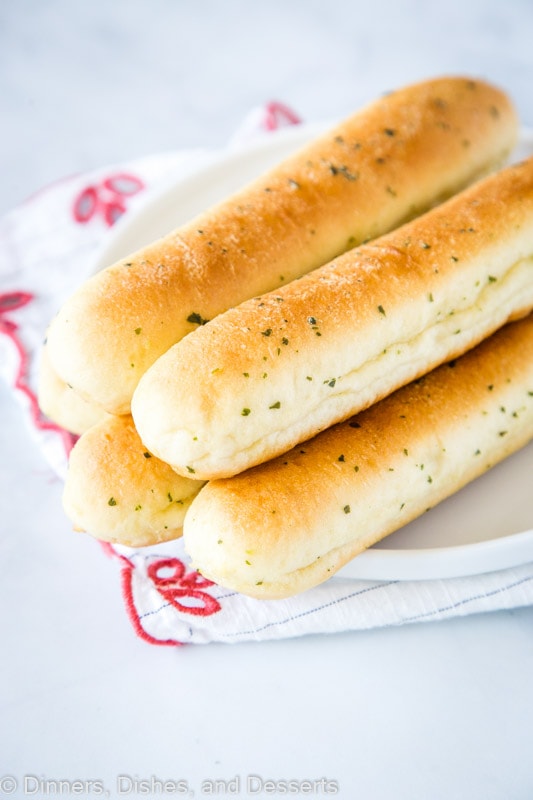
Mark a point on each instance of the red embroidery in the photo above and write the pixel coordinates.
(127, 594)
(106, 198)
(278, 115)
(172, 582)
(109, 550)
(10, 301)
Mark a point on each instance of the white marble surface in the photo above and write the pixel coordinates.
(434, 711)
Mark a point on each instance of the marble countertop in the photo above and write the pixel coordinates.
(433, 710)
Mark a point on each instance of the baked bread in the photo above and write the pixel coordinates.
(286, 526)
(118, 492)
(390, 161)
(281, 367)
(60, 403)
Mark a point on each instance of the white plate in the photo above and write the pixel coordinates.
(489, 524)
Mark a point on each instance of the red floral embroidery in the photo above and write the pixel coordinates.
(10, 301)
(278, 115)
(172, 582)
(129, 602)
(107, 198)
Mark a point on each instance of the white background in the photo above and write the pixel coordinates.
(436, 710)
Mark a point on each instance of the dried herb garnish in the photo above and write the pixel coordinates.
(196, 319)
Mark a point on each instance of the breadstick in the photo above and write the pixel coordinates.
(288, 525)
(393, 159)
(60, 403)
(279, 368)
(118, 492)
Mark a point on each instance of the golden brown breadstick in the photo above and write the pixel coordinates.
(118, 492)
(290, 524)
(390, 161)
(62, 404)
(279, 368)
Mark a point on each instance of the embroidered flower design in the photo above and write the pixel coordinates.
(11, 301)
(278, 115)
(184, 590)
(107, 198)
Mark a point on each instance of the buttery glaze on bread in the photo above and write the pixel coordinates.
(279, 368)
(118, 492)
(392, 160)
(290, 524)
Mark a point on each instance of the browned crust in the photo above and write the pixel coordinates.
(388, 162)
(291, 523)
(289, 346)
(118, 492)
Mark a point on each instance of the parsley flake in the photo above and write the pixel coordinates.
(196, 318)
